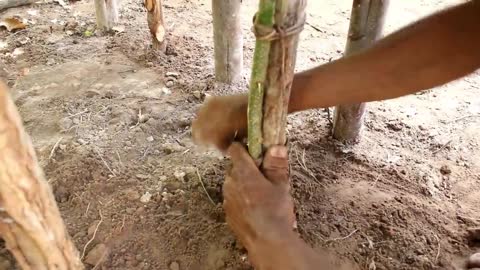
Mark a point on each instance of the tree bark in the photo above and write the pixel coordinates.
(228, 40)
(366, 25)
(106, 13)
(4, 4)
(30, 221)
(156, 24)
(273, 92)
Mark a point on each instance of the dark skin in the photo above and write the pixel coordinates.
(259, 209)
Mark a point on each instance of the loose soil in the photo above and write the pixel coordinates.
(111, 128)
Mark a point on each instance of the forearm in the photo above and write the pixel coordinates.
(428, 53)
(290, 253)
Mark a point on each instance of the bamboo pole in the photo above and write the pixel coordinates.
(228, 40)
(272, 72)
(30, 222)
(106, 14)
(156, 24)
(366, 25)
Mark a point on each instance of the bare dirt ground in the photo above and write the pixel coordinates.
(112, 132)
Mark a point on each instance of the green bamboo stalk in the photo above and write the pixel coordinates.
(265, 17)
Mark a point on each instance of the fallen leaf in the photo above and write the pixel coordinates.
(12, 24)
(88, 33)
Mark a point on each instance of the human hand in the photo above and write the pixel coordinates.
(258, 206)
(220, 121)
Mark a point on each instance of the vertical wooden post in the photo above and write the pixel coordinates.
(366, 25)
(30, 222)
(156, 23)
(106, 13)
(228, 40)
(277, 27)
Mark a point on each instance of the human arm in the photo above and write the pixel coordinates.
(425, 54)
(259, 210)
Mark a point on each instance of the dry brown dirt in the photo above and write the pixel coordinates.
(112, 132)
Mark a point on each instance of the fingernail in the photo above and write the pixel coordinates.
(278, 151)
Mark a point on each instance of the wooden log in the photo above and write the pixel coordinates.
(30, 222)
(4, 4)
(156, 24)
(366, 25)
(106, 14)
(228, 40)
(273, 92)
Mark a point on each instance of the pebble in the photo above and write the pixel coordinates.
(179, 175)
(174, 266)
(474, 261)
(142, 176)
(150, 138)
(91, 93)
(169, 83)
(172, 74)
(132, 195)
(166, 91)
(97, 253)
(81, 141)
(146, 197)
(445, 169)
(197, 94)
(169, 148)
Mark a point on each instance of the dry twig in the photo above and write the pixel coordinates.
(204, 189)
(93, 236)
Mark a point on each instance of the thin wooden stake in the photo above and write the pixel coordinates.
(106, 14)
(272, 72)
(366, 25)
(156, 23)
(30, 222)
(228, 38)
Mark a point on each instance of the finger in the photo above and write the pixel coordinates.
(240, 157)
(275, 165)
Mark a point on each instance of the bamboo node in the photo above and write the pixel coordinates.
(275, 32)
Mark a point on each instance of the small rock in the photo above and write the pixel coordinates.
(172, 74)
(82, 141)
(169, 148)
(99, 252)
(62, 147)
(132, 195)
(142, 176)
(149, 64)
(474, 261)
(179, 175)
(166, 91)
(146, 197)
(169, 83)
(174, 266)
(445, 170)
(66, 123)
(197, 94)
(91, 93)
(150, 138)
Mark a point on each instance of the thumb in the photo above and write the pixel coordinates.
(275, 165)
